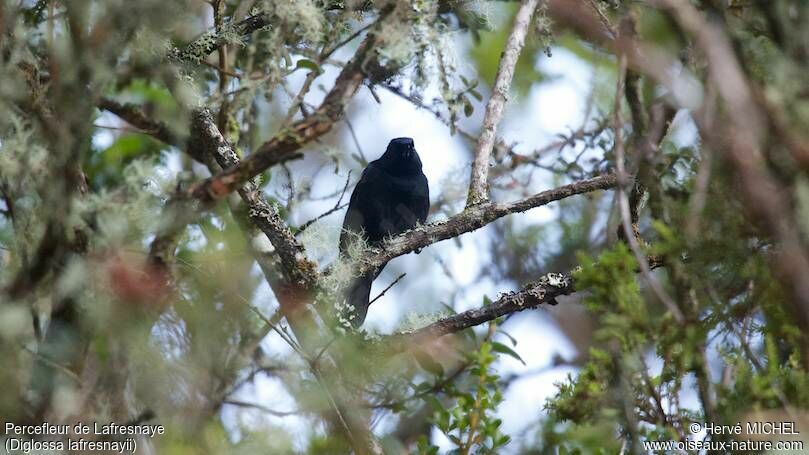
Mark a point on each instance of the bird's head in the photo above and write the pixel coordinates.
(401, 156)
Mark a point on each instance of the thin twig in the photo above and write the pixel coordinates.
(322, 351)
(387, 288)
(272, 322)
(135, 116)
(51, 363)
(328, 52)
(337, 206)
(260, 407)
(356, 140)
(221, 70)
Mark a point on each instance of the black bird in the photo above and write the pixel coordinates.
(390, 198)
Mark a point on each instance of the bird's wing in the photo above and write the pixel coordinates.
(423, 202)
(356, 220)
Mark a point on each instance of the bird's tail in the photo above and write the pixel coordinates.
(358, 296)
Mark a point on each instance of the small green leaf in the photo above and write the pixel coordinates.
(308, 64)
(468, 109)
(503, 349)
(511, 338)
(422, 387)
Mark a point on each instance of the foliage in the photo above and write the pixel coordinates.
(127, 297)
(470, 424)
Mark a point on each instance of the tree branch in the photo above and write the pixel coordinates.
(478, 185)
(543, 291)
(208, 42)
(133, 115)
(476, 217)
(260, 407)
(298, 269)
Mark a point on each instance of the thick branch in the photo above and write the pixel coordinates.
(300, 272)
(478, 185)
(201, 47)
(543, 291)
(298, 269)
(476, 217)
(208, 42)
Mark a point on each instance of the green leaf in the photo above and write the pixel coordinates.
(422, 387)
(502, 440)
(503, 349)
(511, 338)
(468, 109)
(308, 64)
